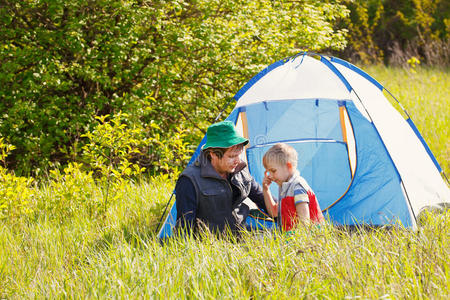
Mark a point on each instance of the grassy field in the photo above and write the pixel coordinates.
(425, 95)
(116, 255)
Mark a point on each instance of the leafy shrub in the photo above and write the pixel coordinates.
(116, 150)
(113, 145)
(113, 151)
(173, 63)
(172, 153)
(15, 195)
(396, 30)
(16, 192)
(69, 192)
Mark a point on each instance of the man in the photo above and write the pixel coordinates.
(211, 191)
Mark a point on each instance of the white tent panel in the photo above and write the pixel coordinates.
(302, 78)
(351, 146)
(359, 105)
(423, 182)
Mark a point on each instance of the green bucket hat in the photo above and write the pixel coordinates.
(223, 135)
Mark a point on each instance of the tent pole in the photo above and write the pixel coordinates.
(445, 176)
(223, 109)
(164, 213)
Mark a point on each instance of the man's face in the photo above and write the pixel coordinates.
(228, 162)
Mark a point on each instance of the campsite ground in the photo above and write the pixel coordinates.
(83, 255)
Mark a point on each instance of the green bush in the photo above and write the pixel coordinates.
(69, 192)
(16, 193)
(173, 64)
(393, 31)
(110, 168)
(112, 146)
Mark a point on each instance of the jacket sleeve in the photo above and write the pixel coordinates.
(256, 194)
(186, 204)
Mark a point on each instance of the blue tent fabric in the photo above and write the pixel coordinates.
(323, 159)
(375, 196)
(316, 136)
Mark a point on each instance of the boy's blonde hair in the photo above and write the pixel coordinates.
(280, 154)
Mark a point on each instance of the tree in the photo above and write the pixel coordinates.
(397, 30)
(171, 63)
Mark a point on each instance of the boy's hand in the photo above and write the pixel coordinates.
(266, 181)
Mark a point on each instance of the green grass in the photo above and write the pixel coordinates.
(426, 97)
(116, 255)
(120, 259)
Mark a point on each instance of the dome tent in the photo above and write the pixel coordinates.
(366, 163)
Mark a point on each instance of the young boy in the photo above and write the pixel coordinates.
(298, 202)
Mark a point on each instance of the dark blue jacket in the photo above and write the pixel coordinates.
(204, 197)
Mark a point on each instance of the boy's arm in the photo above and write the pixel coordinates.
(301, 201)
(271, 205)
(303, 212)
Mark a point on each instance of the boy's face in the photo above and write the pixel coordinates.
(278, 172)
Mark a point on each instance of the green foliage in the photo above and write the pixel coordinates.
(170, 63)
(15, 195)
(112, 146)
(173, 153)
(15, 192)
(394, 31)
(5, 150)
(413, 62)
(110, 151)
(68, 193)
(365, 17)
